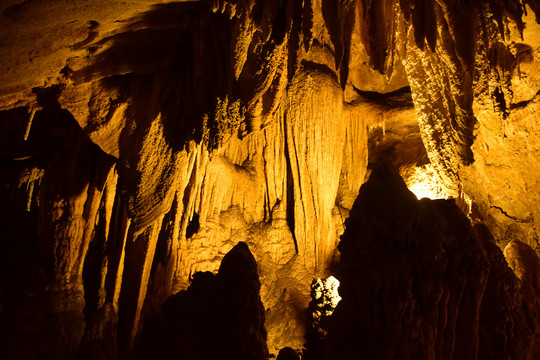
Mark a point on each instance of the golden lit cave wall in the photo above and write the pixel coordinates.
(244, 190)
(301, 144)
(473, 73)
(298, 175)
(301, 172)
(255, 190)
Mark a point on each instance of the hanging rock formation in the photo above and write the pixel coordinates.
(141, 141)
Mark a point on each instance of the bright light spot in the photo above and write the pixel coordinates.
(423, 182)
(422, 190)
(324, 299)
(325, 292)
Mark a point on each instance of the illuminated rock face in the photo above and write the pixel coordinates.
(140, 142)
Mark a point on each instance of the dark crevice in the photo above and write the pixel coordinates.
(293, 62)
(401, 98)
(516, 219)
(499, 101)
(93, 265)
(309, 65)
(348, 12)
(331, 19)
(193, 226)
(92, 35)
(290, 195)
(131, 281)
(116, 248)
(280, 26)
(524, 103)
(163, 246)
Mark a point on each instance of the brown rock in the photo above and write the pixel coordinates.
(218, 316)
(418, 283)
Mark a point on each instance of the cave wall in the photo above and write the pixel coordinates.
(142, 141)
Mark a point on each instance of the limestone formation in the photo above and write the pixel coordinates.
(141, 141)
(417, 282)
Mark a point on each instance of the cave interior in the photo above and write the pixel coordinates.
(260, 179)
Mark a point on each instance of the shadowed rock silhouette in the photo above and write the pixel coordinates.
(218, 317)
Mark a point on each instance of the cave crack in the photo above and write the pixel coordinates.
(524, 103)
(519, 220)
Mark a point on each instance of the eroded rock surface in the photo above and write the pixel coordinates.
(418, 282)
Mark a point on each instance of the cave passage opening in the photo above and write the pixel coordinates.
(424, 183)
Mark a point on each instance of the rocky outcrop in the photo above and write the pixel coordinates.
(509, 311)
(418, 282)
(218, 317)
